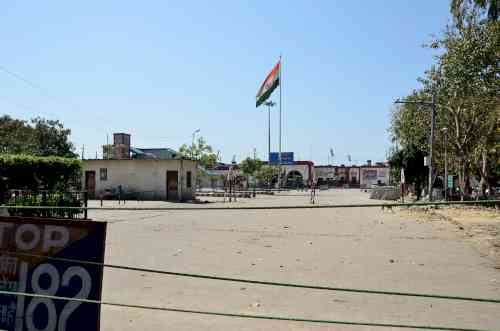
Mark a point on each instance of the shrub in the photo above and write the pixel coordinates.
(34, 173)
(49, 199)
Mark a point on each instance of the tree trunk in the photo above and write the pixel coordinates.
(461, 177)
(484, 173)
(418, 189)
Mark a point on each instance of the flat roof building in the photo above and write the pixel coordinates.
(145, 179)
(353, 175)
(139, 173)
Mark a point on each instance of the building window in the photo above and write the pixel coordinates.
(188, 179)
(103, 174)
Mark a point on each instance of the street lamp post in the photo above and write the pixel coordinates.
(445, 138)
(432, 105)
(269, 104)
(192, 144)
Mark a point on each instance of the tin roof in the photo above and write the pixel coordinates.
(153, 153)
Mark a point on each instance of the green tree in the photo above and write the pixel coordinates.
(462, 8)
(465, 84)
(40, 137)
(250, 166)
(411, 159)
(208, 160)
(200, 151)
(16, 136)
(52, 138)
(410, 123)
(267, 174)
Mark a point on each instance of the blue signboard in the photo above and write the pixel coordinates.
(286, 158)
(42, 238)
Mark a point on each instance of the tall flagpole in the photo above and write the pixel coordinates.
(269, 133)
(279, 155)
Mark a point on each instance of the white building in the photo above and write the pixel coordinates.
(148, 179)
(299, 172)
(355, 176)
(374, 175)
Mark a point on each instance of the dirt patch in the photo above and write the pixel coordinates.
(479, 226)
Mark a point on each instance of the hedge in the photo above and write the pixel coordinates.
(34, 172)
(47, 199)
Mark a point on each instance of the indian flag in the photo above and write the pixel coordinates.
(270, 83)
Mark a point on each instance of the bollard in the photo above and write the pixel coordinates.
(85, 204)
(119, 194)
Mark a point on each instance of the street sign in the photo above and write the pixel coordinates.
(286, 158)
(78, 240)
(450, 181)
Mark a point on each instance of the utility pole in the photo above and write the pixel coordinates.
(445, 138)
(192, 144)
(432, 105)
(107, 147)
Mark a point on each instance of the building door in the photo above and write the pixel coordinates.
(172, 185)
(90, 183)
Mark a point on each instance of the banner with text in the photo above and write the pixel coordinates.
(78, 240)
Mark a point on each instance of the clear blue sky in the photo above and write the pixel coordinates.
(161, 69)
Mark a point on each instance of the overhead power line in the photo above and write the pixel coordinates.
(35, 86)
(25, 80)
(325, 206)
(257, 282)
(248, 316)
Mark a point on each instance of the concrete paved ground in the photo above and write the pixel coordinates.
(359, 248)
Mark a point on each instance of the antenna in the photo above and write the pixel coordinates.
(107, 146)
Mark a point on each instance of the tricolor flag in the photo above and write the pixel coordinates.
(270, 83)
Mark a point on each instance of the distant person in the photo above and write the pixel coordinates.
(418, 190)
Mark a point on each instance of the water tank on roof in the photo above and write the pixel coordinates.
(121, 139)
(121, 148)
